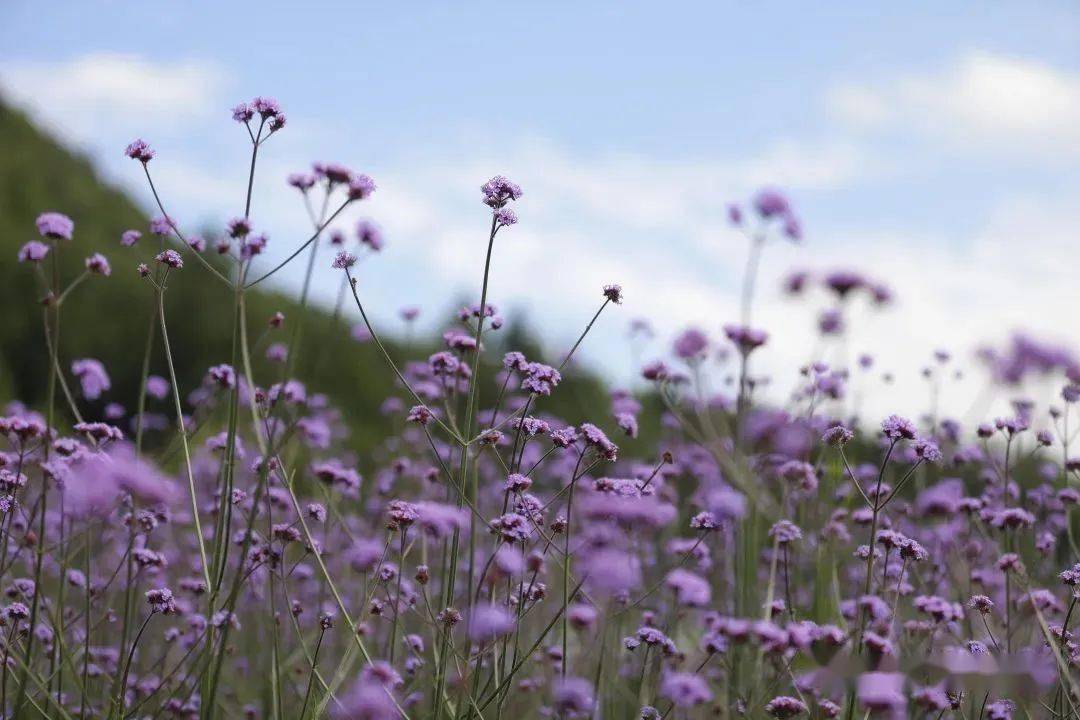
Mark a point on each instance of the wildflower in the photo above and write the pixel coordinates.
(161, 601)
(368, 234)
(927, 450)
(572, 697)
(170, 258)
(343, 260)
(499, 190)
(223, 375)
(690, 589)
(98, 264)
(511, 527)
(745, 338)
(33, 251)
(266, 107)
(505, 217)
(771, 203)
(242, 113)
(516, 482)
(130, 237)
(420, 415)
(783, 707)
(685, 689)
(595, 438)
(540, 379)
(382, 673)
(253, 245)
(895, 427)
(881, 692)
(564, 437)
(301, 181)
(799, 474)
(704, 520)
(487, 622)
(238, 228)
(401, 514)
(627, 423)
(614, 293)
(361, 187)
(785, 531)
(92, 376)
(157, 387)
(366, 700)
(139, 150)
(161, 225)
(691, 344)
(55, 226)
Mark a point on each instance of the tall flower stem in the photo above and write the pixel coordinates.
(50, 425)
(463, 468)
(183, 437)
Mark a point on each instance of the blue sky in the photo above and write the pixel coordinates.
(932, 145)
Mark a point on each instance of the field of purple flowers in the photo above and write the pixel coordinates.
(494, 561)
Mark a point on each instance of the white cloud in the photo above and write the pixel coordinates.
(983, 102)
(86, 95)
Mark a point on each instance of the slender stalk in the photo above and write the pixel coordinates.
(183, 437)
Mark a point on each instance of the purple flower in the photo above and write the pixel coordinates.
(369, 234)
(614, 293)
(895, 427)
(735, 214)
(540, 379)
(55, 226)
(881, 692)
(691, 344)
(512, 527)
(139, 150)
(685, 689)
(365, 700)
(161, 601)
(770, 203)
(92, 376)
(238, 227)
(98, 264)
(361, 187)
(33, 251)
(499, 190)
(505, 217)
(161, 225)
(170, 258)
(927, 450)
(784, 707)
(837, 436)
(487, 622)
(785, 531)
(157, 387)
(595, 438)
(266, 107)
(130, 237)
(223, 375)
(690, 589)
(242, 113)
(343, 260)
(572, 697)
(301, 181)
(745, 338)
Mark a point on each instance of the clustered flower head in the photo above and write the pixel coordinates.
(498, 191)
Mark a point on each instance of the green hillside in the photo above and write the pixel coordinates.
(108, 318)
